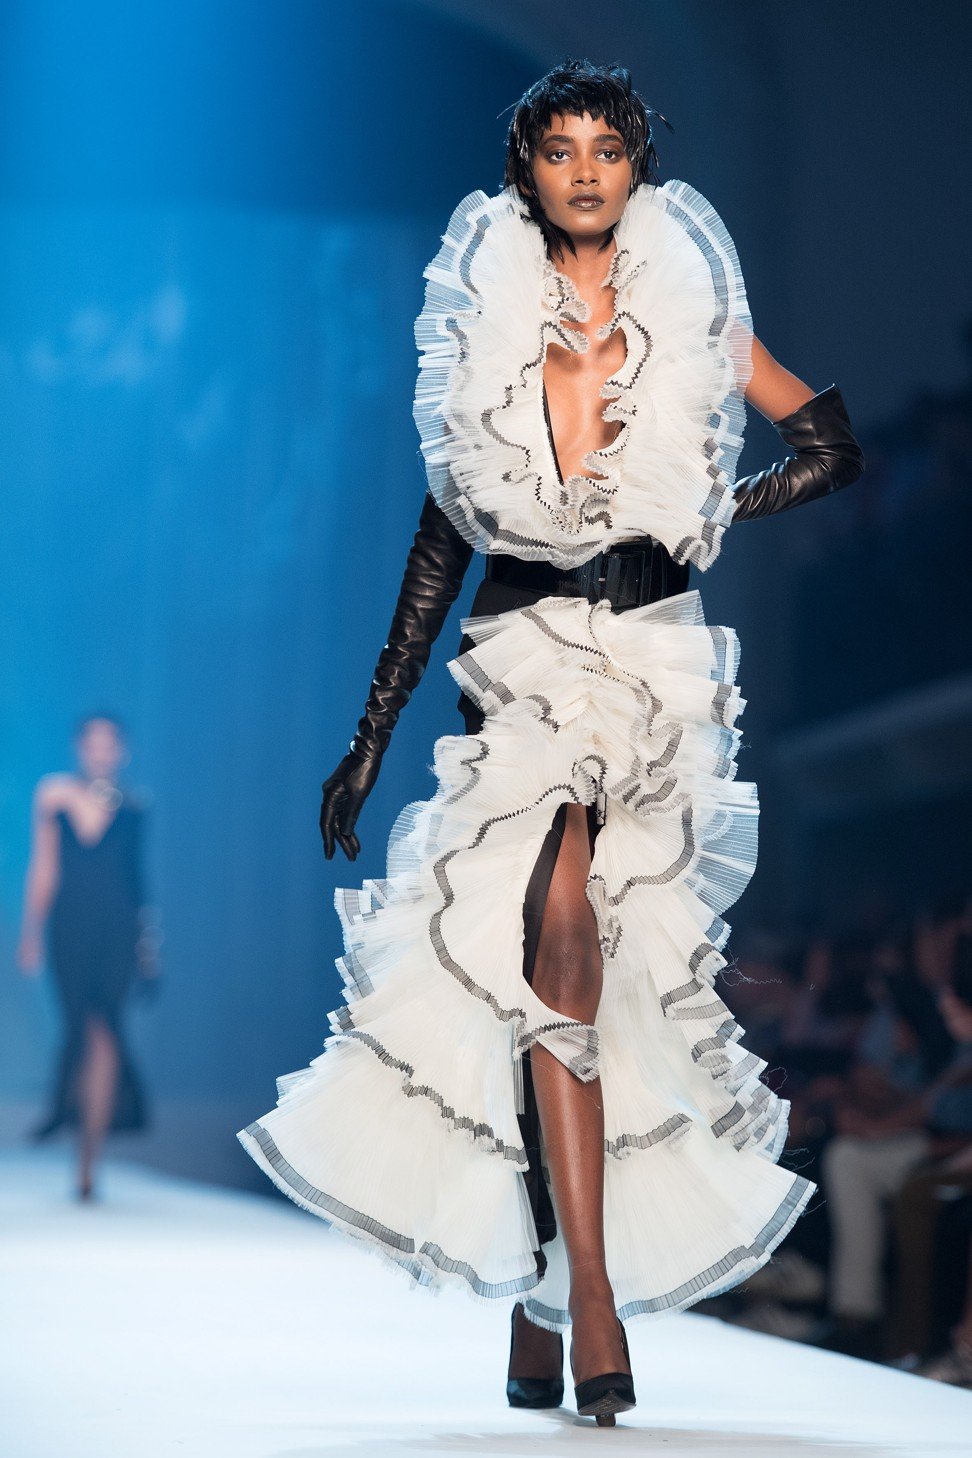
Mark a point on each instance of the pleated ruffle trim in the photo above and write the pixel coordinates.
(433, 1269)
(404, 1131)
(494, 301)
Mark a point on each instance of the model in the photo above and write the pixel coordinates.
(534, 1089)
(85, 890)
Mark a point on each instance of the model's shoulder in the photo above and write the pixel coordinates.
(53, 791)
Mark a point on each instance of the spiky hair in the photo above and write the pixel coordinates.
(570, 89)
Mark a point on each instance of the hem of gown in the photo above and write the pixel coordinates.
(430, 1267)
(73, 1125)
(736, 1265)
(131, 1109)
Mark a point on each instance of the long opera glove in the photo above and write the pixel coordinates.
(828, 458)
(433, 577)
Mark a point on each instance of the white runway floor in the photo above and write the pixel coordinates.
(173, 1318)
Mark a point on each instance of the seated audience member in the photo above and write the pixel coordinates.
(882, 1135)
(917, 1205)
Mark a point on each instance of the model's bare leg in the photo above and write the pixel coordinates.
(97, 1082)
(534, 1351)
(568, 977)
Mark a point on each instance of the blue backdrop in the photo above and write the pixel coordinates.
(213, 222)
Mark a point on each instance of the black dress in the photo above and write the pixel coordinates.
(92, 933)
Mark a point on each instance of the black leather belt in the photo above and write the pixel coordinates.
(628, 575)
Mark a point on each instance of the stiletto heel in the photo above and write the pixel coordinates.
(608, 1393)
(533, 1391)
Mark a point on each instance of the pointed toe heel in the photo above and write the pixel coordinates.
(535, 1392)
(608, 1393)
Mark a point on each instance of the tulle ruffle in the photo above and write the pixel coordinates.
(403, 1132)
(493, 303)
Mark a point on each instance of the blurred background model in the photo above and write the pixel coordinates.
(85, 889)
(209, 210)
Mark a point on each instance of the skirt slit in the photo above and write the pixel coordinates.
(565, 702)
(534, 906)
(495, 598)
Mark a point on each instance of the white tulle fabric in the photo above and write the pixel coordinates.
(493, 303)
(403, 1131)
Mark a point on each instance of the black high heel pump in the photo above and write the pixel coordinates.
(607, 1393)
(533, 1391)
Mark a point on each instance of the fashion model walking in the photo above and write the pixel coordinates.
(85, 887)
(533, 1088)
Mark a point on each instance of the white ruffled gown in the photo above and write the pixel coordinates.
(404, 1132)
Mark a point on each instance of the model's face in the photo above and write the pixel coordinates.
(100, 750)
(582, 175)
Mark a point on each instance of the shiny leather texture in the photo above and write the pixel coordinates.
(433, 576)
(828, 457)
(628, 575)
(607, 1393)
(535, 1392)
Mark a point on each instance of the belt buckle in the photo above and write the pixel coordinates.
(621, 577)
(613, 577)
(630, 581)
(594, 577)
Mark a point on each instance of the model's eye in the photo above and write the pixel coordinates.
(612, 153)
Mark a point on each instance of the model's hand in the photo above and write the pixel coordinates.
(342, 795)
(828, 458)
(437, 561)
(30, 954)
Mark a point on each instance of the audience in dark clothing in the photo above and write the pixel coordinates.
(871, 1041)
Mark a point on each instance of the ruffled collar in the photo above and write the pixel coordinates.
(494, 301)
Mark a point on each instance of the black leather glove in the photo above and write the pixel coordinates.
(828, 457)
(436, 566)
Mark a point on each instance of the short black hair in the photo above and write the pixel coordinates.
(570, 89)
(81, 725)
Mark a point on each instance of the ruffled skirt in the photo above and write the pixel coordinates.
(406, 1131)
